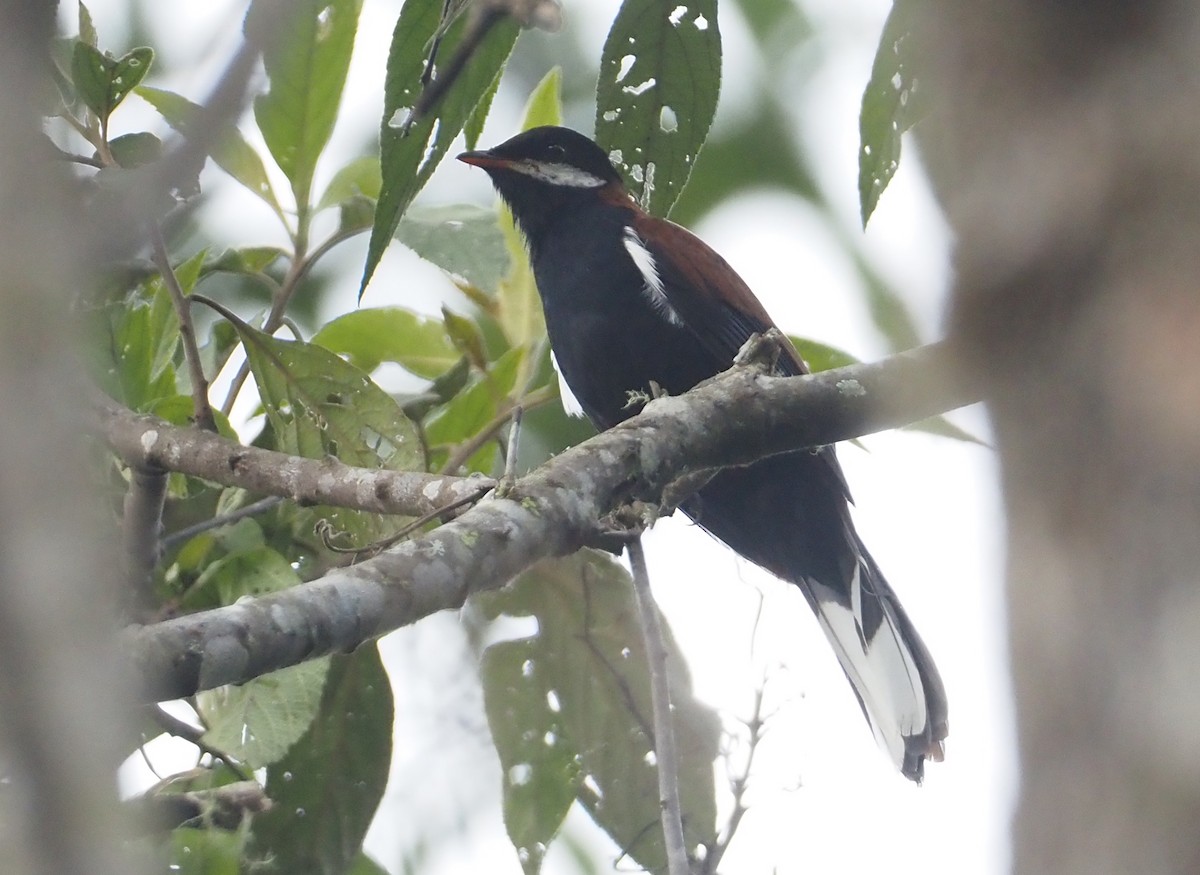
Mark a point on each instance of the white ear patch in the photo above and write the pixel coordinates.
(558, 174)
(655, 292)
(570, 403)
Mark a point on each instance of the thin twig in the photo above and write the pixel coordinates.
(665, 756)
(201, 409)
(380, 546)
(514, 442)
(225, 519)
(172, 725)
(468, 448)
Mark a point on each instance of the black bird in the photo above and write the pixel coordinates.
(630, 299)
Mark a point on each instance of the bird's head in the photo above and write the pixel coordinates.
(542, 170)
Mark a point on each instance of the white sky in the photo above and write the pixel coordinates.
(823, 798)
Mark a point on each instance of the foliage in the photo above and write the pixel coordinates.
(567, 706)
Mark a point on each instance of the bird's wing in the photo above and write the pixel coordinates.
(706, 293)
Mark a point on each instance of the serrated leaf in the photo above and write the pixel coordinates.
(410, 154)
(318, 405)
(103, 81)
(360, 178)
(660, 75)
(893, 101)
(584, 675)
(464, 240)
(135, 150)
(230, 150)
(306, 61)
(259, 721)
(327, 787)
(390, 334)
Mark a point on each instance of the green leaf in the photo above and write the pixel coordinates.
(583, 677)
(204, 852)
(364, 865)
(136, 150)
(327, 787)
(464, 240)
(660, 74)
(318, 405)
(132, 345)
(230, 150)
(87, 30)
(247, 259)
(410, 155)
(821, 356)
(306, 60)
(894, 101)
(466, 336)
(360, 178)
(259, 721)
(541, 774)
(104, 81)
(477, 406)
(390, 334)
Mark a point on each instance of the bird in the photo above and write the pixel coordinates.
(635, 304)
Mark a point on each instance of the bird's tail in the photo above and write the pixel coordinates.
(788, 513)
(887, 663)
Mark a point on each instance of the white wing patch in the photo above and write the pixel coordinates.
(558, 174)
(643, 260)
(566, 397)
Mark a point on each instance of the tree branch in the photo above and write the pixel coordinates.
(552, 511)
(148, 442)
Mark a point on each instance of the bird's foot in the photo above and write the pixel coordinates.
(762, 351)
(614, 530)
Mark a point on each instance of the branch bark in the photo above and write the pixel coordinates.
(733, 419)
(148, 442)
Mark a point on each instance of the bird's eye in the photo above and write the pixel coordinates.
(557, 151)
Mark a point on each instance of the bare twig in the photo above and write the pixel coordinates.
(468, 448)
(253, 509)
(665, 755)
(172, 725)
(201, 409)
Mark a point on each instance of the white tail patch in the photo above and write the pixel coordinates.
(643, 260)
(881, 669)
(570, 404)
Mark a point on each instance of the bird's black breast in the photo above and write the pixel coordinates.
(608, 338)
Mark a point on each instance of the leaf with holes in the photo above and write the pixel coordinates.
(894, 101)
(584, 678)
(328, 786)
(410, 154)
(103, 81)
(660, 74)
